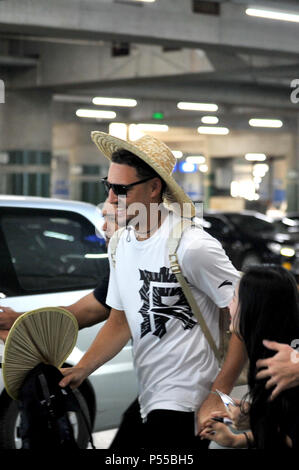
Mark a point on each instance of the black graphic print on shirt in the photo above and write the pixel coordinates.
(163, 299)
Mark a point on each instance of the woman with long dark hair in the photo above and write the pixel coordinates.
(265, 305)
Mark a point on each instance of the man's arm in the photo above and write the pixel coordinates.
(282, 370)
(88, 311)
(109, 341)
(235, 360)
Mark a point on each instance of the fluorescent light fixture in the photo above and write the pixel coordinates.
(126, 102)
(118, 129)
(213, 130)
(134, 132)
(265, 123)
(152, 127)
(260, 169)
(273, 15)
(177, 153)
(255, 157)
(203, 168)
(209, 120)
(197, 159)
(187, 167)
(197, 106)
(96, 114)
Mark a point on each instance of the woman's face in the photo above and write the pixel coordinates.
(233, 310)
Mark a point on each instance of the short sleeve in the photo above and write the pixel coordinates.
(100, 292)
(207, 267)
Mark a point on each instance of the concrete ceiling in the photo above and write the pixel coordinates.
(244, 64)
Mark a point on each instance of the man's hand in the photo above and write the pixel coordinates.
(73, 376)
(7, 317)
(282, 369)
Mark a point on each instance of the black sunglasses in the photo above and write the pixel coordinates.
(121, 189)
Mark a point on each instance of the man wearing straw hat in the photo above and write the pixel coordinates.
(175, 365)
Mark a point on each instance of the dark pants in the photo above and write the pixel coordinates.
(164, 429)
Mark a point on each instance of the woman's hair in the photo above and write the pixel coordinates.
(268, 309)
(143, 170)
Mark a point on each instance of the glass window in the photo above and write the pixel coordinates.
(53, 250)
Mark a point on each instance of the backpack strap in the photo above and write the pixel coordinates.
(114, 242)
(173, 245)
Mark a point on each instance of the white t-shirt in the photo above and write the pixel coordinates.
(174, 363)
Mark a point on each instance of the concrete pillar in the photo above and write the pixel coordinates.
(77, 163)
(25, 143)
(293, 174)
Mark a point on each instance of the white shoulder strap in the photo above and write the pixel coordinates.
(114, 242)
(173, 244)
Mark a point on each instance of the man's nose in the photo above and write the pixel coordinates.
(112, 198)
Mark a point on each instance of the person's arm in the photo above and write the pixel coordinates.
(88, 311)
(7, 317)
(235, 360)
(282, 369)
(109, 341)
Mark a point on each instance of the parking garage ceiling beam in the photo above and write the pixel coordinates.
(131, 23)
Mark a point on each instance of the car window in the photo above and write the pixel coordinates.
(53, 250)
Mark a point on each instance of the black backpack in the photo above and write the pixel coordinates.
(44, 408)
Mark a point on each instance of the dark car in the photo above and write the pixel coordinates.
(252, 238)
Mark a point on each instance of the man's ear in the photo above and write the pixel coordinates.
(156, 185)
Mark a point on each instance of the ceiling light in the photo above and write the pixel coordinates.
(265, 123)
(118, 129)
(203, 168)
(213, 130)
(134, 132)
(96, 114)
(197, 159)
(177, 153)
(152, 127)
(114, 102)
(273, 15)
(197, 106)
(209, 120)
(255, 157)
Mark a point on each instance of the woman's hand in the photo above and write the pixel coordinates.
(221, 434)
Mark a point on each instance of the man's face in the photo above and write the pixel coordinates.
(110, 223)
(141, 194)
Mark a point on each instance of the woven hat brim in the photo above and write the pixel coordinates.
(108, 144)
(45, 335)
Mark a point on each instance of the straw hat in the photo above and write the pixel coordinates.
(45, 335)
(157, 155)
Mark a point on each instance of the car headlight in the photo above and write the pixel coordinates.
(287, 251)
(281, 250)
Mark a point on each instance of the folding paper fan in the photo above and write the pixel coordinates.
(45, 335)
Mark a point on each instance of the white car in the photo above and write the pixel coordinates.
(52, 253)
